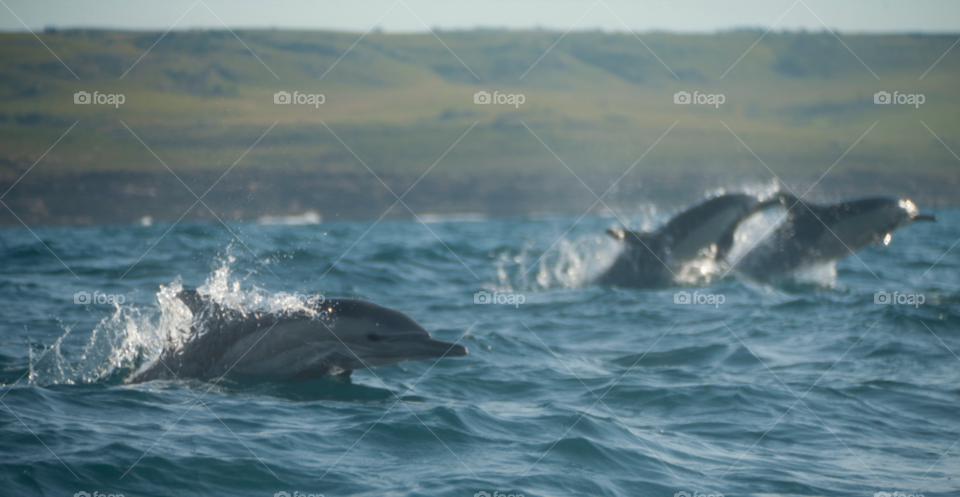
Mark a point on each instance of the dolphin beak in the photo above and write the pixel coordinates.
(423, 347)
(403, 348)
(925, 217)
(437, 348)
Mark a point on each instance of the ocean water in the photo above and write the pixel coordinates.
(804, 388)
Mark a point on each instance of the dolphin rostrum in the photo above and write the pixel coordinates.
(816, 234)
(336, 337)
(652, 258)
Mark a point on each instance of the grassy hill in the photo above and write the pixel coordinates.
(200, 99)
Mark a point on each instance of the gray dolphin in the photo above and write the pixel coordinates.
(816, 234)
(647, 259)
(340, 336)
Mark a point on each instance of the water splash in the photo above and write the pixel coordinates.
(119, 343)
(577, 263)
(754, 230)
(569, 264)
(133, 336)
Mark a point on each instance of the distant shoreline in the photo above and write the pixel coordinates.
(127, 197)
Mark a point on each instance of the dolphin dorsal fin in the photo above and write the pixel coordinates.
(193, 300)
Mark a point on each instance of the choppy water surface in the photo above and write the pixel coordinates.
(809, 388)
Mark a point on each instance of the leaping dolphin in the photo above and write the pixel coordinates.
(337, 337)
(816, 234)
(651, 259)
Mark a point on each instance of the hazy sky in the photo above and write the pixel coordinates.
(413, 15)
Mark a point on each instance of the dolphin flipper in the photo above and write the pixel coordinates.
(725, 242)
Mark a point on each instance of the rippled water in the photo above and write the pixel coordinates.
(581, 390)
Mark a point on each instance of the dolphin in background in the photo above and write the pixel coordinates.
(651, 259)
(817, 234)
(336, 337)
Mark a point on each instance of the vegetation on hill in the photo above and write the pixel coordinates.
(200, 99)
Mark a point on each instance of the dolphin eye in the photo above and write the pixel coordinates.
(373, 337)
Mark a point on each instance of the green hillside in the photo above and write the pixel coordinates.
(199, 99)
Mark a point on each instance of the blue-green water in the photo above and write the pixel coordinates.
(695, 398)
